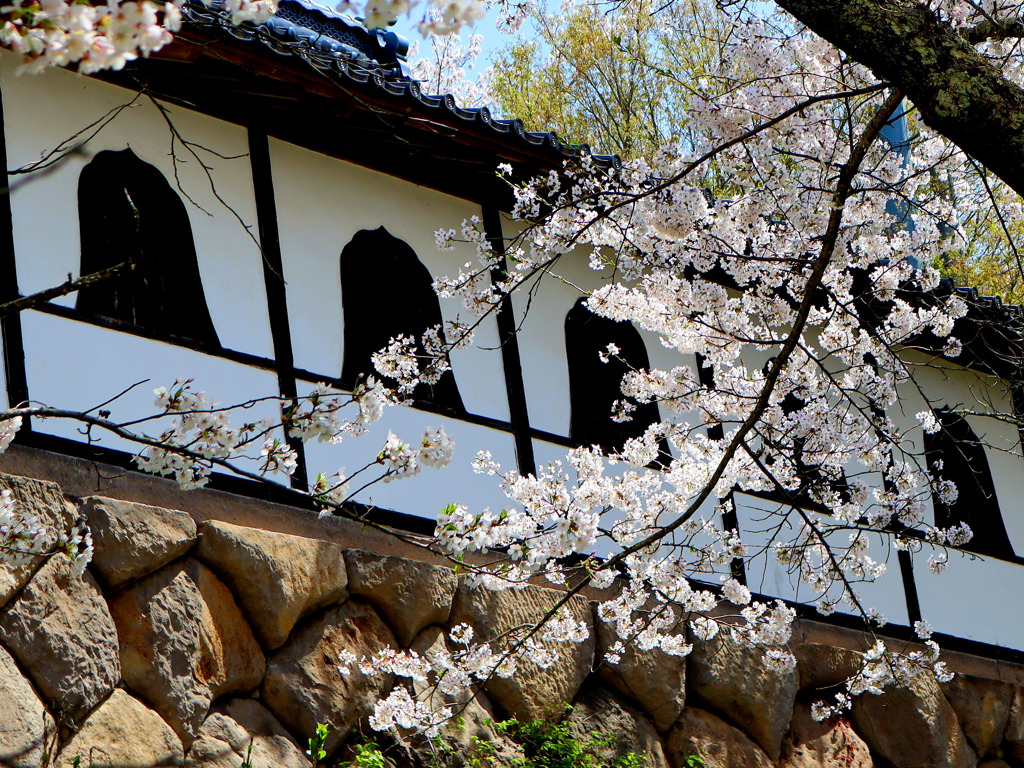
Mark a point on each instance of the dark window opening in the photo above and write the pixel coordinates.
(964, 462)
(128, 212)
(387, 292)
(594, 386)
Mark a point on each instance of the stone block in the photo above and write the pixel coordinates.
(123, 733)
(533, 691)
(27, 732)
(653, 679)
(730, 678)
(827, 744)
(409, 595)
(277, 577)
(44, 501)
(303, 686)
(913, 727)
(598, 715)
(184, 642)
(229, 730)
(983, 709)
(60, 631)
(132, 540)
(700, 734)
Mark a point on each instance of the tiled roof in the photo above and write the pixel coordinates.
(338, 44)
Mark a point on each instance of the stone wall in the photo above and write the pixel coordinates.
(188, 640)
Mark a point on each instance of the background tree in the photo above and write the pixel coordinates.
(618, 78)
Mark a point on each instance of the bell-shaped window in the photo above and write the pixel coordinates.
(387, 292)
(129, 213)
(595, 386)
(963, 461)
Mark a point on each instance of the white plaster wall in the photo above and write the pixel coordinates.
(758, 520)
(943, 384)
(76, 366)
(321, 204)
(540, 312)
(42, 111)
(976, 598)
(989, 400)
(427, 493)
(551, 454)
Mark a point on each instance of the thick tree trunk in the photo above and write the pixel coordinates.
(957, 91)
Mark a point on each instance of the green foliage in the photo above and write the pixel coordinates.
(549, 744)
(368, 755)
(619, 80)
(316, 751)
(544, 744)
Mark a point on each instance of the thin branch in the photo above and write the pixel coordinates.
(69, 286)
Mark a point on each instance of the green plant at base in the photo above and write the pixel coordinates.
(550, 744)
(368, 755)
(316, 751)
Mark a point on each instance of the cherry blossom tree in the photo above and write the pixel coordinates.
(799, 305)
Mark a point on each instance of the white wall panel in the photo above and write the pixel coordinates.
(973, 598)
(989, 400)
(321, 204)
(762, 522)
(76, 366)
(549, 454)
(540, 317)
(43, 111)
(427, 493)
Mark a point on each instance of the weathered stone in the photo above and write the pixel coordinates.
(410, 595)
(123, 733)
(1013, 744)
(822, 745)
(653, 679)
(913, 727)
(463, 737)
(44, 501)
(731, 679)
(533, 691)
(597, 716)
(825, 667)
(27, 732)
(277, 577)
(60, 631)
(228, 732)
(700, 734)
(983, 708)
(184, 643)
(132, 539)
(303, 685)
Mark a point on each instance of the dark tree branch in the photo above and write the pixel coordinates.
(959, 93)
(68, 286)
(986, 30)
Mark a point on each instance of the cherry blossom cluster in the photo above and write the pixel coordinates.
(438, 17)
(447, 66)
(722, 274)
(452, 668)
(95, 37)
(403, 460)
(882, 668)
(25, 537)
(793, 304)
